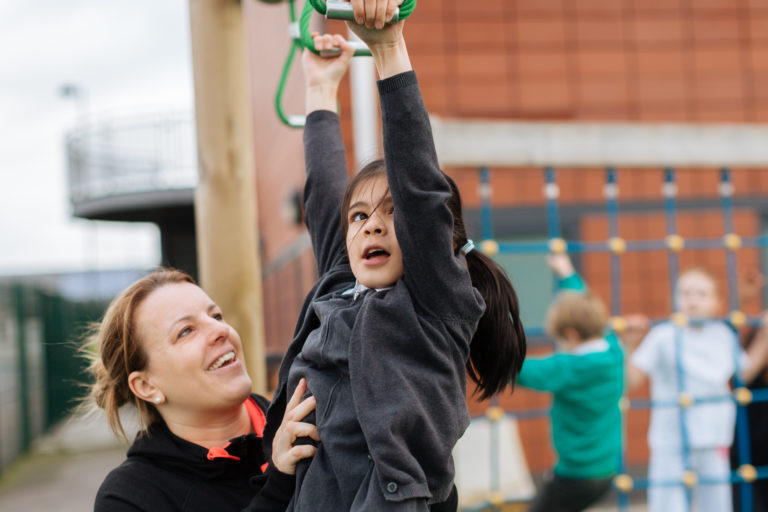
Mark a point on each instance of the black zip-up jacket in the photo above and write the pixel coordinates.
(398, 354)
(165, 473)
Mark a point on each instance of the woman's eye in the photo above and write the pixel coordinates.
(357, 217)
(184, 332)
(218, 316)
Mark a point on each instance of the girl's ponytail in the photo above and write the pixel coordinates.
(498, 347)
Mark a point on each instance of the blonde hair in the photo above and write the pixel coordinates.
(115, 351)
(582, 312)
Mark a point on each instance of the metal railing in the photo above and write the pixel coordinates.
(133, 155)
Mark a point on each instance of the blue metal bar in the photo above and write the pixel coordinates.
(631, 245)
(726, 201)
(670, 193)
(486, 212)
(553, 213)
(612, 206)
(742, 421)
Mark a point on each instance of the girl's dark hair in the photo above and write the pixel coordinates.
(370, 170)
(498, 347)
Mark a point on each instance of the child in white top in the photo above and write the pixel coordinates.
(698, 361)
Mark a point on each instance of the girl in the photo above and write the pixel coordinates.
(709, 355)
(384, 336)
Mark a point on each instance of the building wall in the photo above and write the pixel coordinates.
(633, 60)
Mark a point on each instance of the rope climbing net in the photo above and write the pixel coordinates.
(673, 244)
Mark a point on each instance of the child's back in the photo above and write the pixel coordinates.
(586, 379)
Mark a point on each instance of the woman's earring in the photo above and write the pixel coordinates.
(157, 399)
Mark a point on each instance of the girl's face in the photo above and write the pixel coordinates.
(195, 359)
(696, 295)
(374, 253)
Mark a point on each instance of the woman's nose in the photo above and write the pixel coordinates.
(218, 331)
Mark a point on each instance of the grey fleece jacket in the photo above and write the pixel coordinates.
(387, 368)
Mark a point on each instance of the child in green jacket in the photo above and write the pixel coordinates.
(586, 379)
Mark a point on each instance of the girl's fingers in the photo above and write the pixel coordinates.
(380, 17)
(370, 13)
(358, 6)
(391, 6)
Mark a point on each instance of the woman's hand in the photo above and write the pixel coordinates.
(323, 74)
(285, 455)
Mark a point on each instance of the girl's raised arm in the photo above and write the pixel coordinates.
(420, 192)
(324, 154)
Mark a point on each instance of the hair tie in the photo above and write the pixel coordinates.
(467, 247)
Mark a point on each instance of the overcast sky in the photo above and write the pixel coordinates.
(128, 57)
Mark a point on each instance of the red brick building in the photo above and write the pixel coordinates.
(638, 61)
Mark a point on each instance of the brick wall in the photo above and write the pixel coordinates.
(635, 60)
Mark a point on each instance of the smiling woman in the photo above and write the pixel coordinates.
(165, 347)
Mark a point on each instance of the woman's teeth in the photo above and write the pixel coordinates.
(229, 356)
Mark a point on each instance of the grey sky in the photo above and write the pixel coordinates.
(130, 58)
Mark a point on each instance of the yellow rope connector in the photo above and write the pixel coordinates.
(685, 399)
(675, 243)
(738, 319)
(618, 324)
(747, 472)
(617, 245)
(623, 483)
(557, 245)
(743, 395)
(494, 413)
(490, 247)
(732, 241)
(690, 479)
(679, 319)
(496, 499)
(624, 404)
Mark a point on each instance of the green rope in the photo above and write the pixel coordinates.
(281, 87)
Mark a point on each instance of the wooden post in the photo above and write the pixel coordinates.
(225, 199)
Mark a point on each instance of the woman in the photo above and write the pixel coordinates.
(164, 347)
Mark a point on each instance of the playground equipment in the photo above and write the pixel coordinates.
(301, 38)
(616, 246)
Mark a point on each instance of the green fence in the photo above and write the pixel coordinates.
(41, 371)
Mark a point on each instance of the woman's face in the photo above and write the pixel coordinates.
(373, 249)
(195, 359)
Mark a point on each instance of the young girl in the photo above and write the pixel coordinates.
(709, 355)
(384, 336)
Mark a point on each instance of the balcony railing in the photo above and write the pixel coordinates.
(132, 156)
